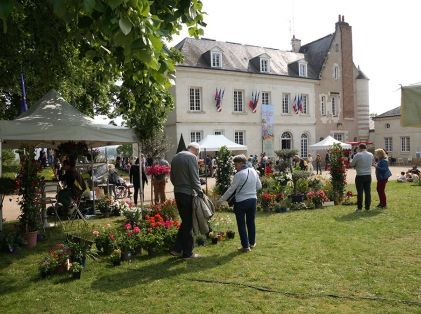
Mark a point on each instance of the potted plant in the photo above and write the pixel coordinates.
(29, 184)
(200, 240)
(152, 242)
(317, 198)
(47, 266)
(230, 234)
(76, 270)
(115, 257)
(80, 249)
(297, 175)
(267, 200)
(214, 237)
(105, 239)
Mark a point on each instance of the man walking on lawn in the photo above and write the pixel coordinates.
(362, 162)
(185, 178)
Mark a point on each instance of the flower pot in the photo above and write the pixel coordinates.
(126, 256)
(297, 198)
(138, 250)
(116, 262)
(152, 251)
(214, 240)
(230, 234)
(200, 242)
(76, 275)
(31, 239)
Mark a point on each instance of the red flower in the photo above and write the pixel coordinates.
(136, 229)
(128, 226)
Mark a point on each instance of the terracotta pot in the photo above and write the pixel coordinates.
(31, 239)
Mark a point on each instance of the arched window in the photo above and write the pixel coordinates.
(304, 145)
(286, 140)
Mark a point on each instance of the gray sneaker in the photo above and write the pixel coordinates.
(244, 249)
(194, 255)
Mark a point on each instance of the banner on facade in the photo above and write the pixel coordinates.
(267, 129)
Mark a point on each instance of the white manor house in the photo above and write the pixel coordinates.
(269, 99)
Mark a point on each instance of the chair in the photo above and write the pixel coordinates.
(409, 160)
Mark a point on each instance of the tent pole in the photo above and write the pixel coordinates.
(92, 179)
(108, 172)
(140, 177)
(206, 172)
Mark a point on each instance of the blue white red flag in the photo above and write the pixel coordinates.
(295, 105)
(300, 103)
(219, 95)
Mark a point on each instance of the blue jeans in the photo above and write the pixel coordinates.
(363, 185)
(245, 213)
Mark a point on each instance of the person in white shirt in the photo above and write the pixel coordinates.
(363, 161)
(245, 184)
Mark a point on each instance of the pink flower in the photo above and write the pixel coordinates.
(128, 226)
(136, 229)
(95, 233)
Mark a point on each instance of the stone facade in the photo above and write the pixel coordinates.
(401, 143)
(323, 71)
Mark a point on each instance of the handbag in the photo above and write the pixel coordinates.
(231, 199)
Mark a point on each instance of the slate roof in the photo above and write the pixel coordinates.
(316, 52)
(396, 112)
(239, 57)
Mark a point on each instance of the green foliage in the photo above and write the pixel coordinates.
(125, 150)
(337, 172)
(88, 46)
(156, 146)
(224, 170)
(285, 156)
(297, 175)
(7, 156)
(29, 184)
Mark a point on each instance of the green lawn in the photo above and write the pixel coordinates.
(328, 260)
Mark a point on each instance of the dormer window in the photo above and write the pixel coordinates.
(216, 59)
(302, 69)
(264, 65)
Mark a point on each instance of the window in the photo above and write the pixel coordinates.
(219, 132)
(334, 107)
(335, 72)
(238, 101)
(285, 102)
(405, 144)
(286, 140)
(304, 104)
(216, 59)
(388, 144)
(264, 65)
(323, 105)
(265, 98)
(304, 145)
(338, 136)
(239, 137)
(195, 96)
(302, 69)
(195, 136)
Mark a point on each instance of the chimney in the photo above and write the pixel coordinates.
(345, 32)
(296, 44)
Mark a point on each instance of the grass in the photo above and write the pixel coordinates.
(330, 260)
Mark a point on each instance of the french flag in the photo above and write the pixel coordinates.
(295, 105)
(300, 103)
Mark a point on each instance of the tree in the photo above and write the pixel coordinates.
(126, 150)
(225, 168)
(92, 43)
(155, 147)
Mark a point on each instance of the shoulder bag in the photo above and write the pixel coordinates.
(231, 199)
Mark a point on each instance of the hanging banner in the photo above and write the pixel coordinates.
(267, 129)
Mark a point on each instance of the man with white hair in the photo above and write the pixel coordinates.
(185, 178)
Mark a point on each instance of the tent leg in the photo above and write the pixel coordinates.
(140, 177)
(92, 180)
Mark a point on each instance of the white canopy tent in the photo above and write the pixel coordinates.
(212, 143)
(328, 142)
(52, 121)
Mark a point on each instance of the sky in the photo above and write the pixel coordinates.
(386, 34)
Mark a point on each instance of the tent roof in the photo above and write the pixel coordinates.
(213, 143)
(52, 121)
(328, 142)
